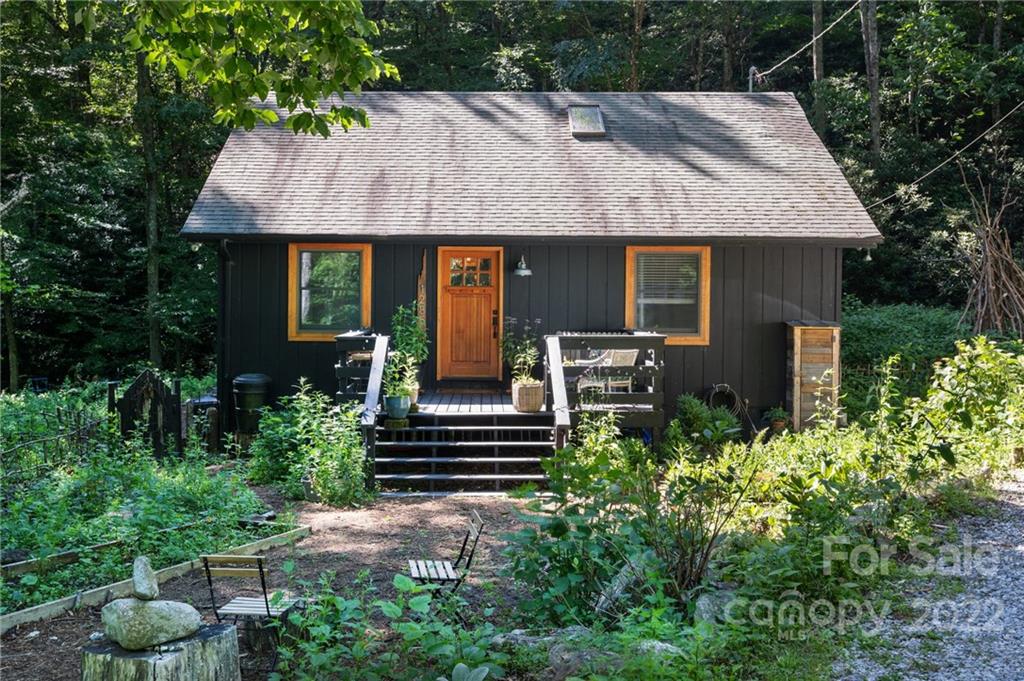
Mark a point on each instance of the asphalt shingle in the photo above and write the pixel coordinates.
(686, 166)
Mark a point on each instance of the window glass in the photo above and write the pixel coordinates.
(668, 292)
(330, 290)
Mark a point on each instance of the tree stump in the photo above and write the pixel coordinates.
(211, 654)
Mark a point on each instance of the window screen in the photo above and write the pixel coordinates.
(667, 295)
(330, 295)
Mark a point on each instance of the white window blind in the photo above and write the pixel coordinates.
(668, 291)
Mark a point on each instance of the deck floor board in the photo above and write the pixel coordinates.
(482, 404)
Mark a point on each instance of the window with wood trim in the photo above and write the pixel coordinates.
(328, 290)
(668, 290)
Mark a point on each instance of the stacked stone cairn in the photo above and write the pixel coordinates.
(142, 621)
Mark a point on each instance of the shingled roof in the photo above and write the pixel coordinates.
(681, 166)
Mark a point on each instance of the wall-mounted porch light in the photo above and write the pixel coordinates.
(521, 269)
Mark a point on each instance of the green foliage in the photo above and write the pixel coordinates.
(120, 493)
(401, 374)
(759, 518)
(614, 519)
(409, 333)
(340, 636)
(519, 348)
(304, 52)
(698, 425)
(872, 334)
(309, 438)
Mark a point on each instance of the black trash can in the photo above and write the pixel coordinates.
(251, 395)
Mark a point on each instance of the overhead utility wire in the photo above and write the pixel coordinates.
(764, 74)
(957, 153)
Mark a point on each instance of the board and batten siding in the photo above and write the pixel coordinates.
(574, 287)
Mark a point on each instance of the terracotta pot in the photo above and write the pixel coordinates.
(778, 425)
(527, 397)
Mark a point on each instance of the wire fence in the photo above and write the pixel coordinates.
(47, 440)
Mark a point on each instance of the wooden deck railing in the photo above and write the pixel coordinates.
(559, 397)
(360, 372)
(622, 372)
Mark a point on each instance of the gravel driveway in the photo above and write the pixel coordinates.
(960, 626)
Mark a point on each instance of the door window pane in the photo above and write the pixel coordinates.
(485, 279)
(456, 279)
(668, 292)
(330, 290)
(485, 264)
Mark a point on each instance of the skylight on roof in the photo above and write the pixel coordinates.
(585, 120)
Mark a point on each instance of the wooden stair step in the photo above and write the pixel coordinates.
(459, 476)
(458, 429)
(457, 459)
(458, 443)
(455, 493)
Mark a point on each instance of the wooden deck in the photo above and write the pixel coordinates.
(451, 403)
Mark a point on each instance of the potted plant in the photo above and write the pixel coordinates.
(519, 350)
(777, 418)
(399, 384)
(409, 336)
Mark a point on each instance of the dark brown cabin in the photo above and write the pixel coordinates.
(710, 218)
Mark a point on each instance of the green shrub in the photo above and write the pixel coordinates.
(338, 637)
(121, 493)
(697, 425)
(310, 438)
(409, 334)
(616, 525)
(919, 334)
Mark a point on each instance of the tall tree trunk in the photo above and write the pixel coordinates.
(10, 339)
(145, 120)
(869, 29)
(997, 48)
(818, 62)
(728, 47)
(78, 53)
(639, 7)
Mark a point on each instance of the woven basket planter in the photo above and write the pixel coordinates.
(527, 397)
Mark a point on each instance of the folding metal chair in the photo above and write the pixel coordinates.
(447, 572)
(256, 611)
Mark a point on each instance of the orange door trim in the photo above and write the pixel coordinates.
(468, 335)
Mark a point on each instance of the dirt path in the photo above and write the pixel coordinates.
(966, 622)
(377, 540)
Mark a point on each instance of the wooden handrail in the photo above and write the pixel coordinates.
(559, 397)
(375, 381)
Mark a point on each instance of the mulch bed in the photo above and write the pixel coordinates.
(377, 541)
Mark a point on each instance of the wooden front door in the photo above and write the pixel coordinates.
(469, 312)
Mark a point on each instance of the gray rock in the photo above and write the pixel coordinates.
(658, 648)
(144, 582)
(518, 638)
(135, 624)
(565, 660)
(711, 606)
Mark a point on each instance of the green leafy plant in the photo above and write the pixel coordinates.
(698, 425)
(311, 439)
(358, 635)
(119, 503)
(409, 333)
(519, 348)
(400, 375)
(616, 524)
